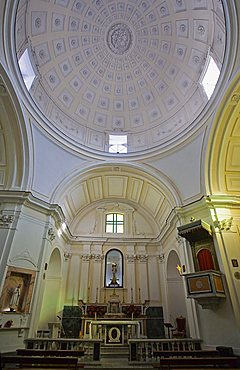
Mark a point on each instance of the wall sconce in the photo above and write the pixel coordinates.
(179, 268)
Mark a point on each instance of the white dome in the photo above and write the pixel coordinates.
(120, 67)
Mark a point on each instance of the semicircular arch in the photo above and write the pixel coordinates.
(83, 191)
(14, 149)
(223, 165)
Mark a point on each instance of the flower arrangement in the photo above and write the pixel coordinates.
(132, 310)
(97, 310)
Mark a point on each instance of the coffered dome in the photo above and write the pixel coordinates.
(132, 67)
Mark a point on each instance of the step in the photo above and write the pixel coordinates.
(113, 353)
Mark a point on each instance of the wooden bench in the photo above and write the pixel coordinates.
(40, 361)
(50, 352)
(187, 353)
(182, 362)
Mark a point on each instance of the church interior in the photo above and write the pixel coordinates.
(120, 176)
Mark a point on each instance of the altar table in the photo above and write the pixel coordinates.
(114, 332)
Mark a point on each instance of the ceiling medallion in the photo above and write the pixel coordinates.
(119, 38)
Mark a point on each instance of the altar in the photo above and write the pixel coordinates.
(114, 332)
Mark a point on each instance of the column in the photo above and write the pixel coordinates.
(73, 279)
(96, 281)
(142, 278)
(154, 281)
(84, 272)
(130, 275)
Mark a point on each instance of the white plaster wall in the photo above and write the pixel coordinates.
(218, 326)
(183, 168)
(154, 283)
(175, 289)
(27, 244)
(50, 302)
(51, 164)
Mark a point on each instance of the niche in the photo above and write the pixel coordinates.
(17, 290)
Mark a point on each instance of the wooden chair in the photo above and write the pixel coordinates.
(180, 330)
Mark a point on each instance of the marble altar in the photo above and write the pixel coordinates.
(114, 332)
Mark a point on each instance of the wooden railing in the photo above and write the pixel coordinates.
(141, 350)
(91, 347)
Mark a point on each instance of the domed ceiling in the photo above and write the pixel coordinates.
(130, 67)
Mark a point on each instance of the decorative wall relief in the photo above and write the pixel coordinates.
(51, 234)
(5, 220)
(23, 256)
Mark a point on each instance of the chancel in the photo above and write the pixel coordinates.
(120, 182)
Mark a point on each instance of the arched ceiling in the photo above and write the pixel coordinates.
(125, 67)
(105, 185)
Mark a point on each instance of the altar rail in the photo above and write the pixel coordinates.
(91, 347)
(141, 350)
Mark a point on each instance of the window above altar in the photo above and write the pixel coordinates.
(114, 223)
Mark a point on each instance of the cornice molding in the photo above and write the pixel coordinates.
(27, 199)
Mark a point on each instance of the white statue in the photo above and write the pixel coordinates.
(114, 277)
(15, 298)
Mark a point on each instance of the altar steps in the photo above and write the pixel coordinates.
(114, 357)
(115, 352)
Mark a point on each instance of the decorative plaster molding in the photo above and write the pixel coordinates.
(67, 255)
(224, 225)
(119, 38)
(130, 258)
(5, 220)
(51, 234)
(86, 257)
(235, 98)
(23, 256)
(142, 257)
(3, 89)
(161, 257)
(97, 257)
(179, 240)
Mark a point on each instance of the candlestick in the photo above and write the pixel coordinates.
(96, 295)
(88, 294)
(132, 315)
(95, 315)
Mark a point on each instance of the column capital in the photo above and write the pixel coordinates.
(142, 258)
(130, 258)
(6, 219)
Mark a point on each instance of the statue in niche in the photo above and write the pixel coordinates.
(114, 279)
(13, 305)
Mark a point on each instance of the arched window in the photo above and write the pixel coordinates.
(114, 269)
(114, 223)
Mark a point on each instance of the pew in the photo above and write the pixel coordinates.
(187, 353)
(195, 358)
(39, 361)
(50, 352)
